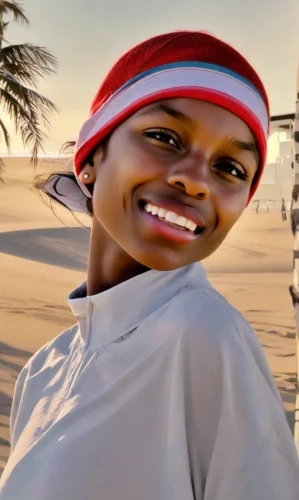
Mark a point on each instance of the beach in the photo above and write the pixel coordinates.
(43, 257)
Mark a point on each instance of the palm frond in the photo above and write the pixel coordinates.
(29, 129)
(1, 169)
(27, 109)
(2, 39)
(32, 137)
(5, 73)
(21, 66)
(28, 62)
(16, 9)
(13, 108)
(36, 105)
(15, 70)
(2, 29)
(5, 134)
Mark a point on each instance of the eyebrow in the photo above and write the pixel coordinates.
(174, 113)
(247, 146)
(182, 117)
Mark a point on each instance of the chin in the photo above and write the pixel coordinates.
(160, 262)
(166, 266)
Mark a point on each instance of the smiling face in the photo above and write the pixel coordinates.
(175, 179)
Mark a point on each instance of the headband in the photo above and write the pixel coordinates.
(191, 79)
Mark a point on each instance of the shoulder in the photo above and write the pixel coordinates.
(50, 354)
(215, 338)
(212, 327)
(204, 308)
(35, 375)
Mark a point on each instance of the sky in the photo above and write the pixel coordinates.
(88, 36)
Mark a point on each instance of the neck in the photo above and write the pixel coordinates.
(108, 264)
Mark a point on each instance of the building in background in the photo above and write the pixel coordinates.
(277, 179)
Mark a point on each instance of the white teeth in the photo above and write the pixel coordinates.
(170, 216)
(162, 213)
(181, 221)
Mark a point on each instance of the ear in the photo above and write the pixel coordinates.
(97, 155)
(87, 174)
(93, 161)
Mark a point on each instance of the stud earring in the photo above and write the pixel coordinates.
(85, 176)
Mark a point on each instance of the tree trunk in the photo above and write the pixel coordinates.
(294, 289)
(1, 27)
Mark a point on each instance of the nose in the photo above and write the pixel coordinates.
(192, 177)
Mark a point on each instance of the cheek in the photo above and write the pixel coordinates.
(117, 177)
(126, 167)
(230, 207)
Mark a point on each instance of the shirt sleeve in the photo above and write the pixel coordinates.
(241, 447)
(16, 402)
(34, 377)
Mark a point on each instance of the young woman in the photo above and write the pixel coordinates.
(161, 391)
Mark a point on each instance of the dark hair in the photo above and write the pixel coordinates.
(40, 182)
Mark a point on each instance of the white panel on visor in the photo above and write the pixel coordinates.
(64, 189)
(201, 78)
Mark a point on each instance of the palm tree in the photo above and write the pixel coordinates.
(20, 68)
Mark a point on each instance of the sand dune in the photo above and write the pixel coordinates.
(43, 258)
(61, 247)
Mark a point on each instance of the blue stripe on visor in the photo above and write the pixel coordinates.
(188, 64)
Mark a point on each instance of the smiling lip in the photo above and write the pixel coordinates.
(179, 209)
(171, 231)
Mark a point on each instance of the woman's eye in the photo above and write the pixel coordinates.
(233, 169)
(163, 135)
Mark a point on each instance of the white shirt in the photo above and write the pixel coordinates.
(160, 392)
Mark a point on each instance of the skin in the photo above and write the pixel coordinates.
(185, 151)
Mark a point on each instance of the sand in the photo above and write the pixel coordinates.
(43, 258)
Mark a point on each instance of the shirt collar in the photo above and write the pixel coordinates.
(106, 316)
